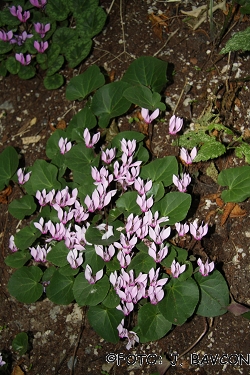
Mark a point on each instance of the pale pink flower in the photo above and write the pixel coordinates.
(186, 157)
(22, 178)
(182, 229)
(74, 258)
(175, 125)
(88, 275)
(205, 268)
(198, 232)
(149, 118)
(182, 182)
(177, 269)
(87, 138)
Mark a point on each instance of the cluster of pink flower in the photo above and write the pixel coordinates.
(19, 39)
(145, 227)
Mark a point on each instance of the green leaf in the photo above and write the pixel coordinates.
(60, 289)
(94, 236)
(55, 66)
(108, 102)
(20, 343)
(25, 206)
(157, 191)
(214, 294)
(78, 7)
(161, 170)
(127, 202)
(111, 300)
(24, 284)
(90, 294)
(8, 165)
(26, 72)
(105, 321)
(3, 69)
(43, 176)
(79, 158)
(243, 150)
(17, 259)
(183, 297)
(57, 10)
(210, 150)
(5, 47)
(65, 38)
(80, 121)
(239, 41)
(58, 254)
(153, 324)
(238, 182)
(175, 205)
(82, 85)
(53, 53)
(53, 82)
(91, 22)
(147, 71)
(142, 262)
(76, 53)
(26, 237)
(12, 65)
(144, 97)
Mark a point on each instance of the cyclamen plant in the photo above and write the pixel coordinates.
(106, 220)
(47, 33)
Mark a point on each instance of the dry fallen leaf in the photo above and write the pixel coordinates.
(237, 211)
(4, 194)
(17, 371)
(226, 212)
(61, 124)
(28, 140)
(158, 24)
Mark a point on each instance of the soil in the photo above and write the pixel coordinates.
(200, 78)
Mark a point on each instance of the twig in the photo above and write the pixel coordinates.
(170, 36)
(77, 343)
(196, 342)
(182, 92)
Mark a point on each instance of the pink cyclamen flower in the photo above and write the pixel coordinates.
(63, 144)
(182, 229)
(12, 245)
(158, 234)
(17, 12)
(128, 147)
(24, 60)
(158, 256)
(41, 226)
(39, 253)
(2, 363)
(198, 232)
(108, 155)
(41, 47)
(87, 138)
(38, 3)
(175, 125)
(205, 268)
(6, 37)
(149, 118)
(143, 203)
(41, 29)
(105, 253)
(88, 275)
(75, 258)
(22, 178)
(20, 39)
(182, 182)
(177, 269)
(142, 187)
(184, 155)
